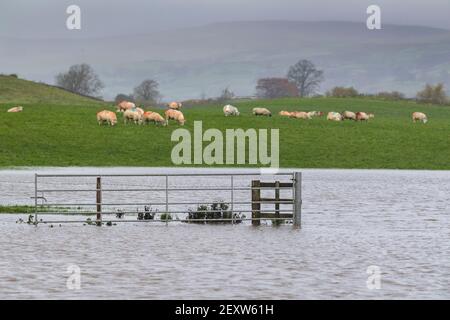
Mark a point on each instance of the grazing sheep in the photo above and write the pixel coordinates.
(230, 110)
(348, 115)
(334, 116)
(419, 116)
(285, 113)
(107, 116)
(175, 115)
(155, 117)
(135, 116)
(15, 109)
(300, 115)
(315, 114)
(125, 105)
(262, 112)
(362, 116)
(174, 105)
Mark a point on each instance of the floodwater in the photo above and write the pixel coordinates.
(354, 222)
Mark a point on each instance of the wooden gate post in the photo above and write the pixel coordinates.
(277, 200)
(298, 200)
(99, 201)
(256, 202)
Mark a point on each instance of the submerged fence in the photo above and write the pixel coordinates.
(169, 197)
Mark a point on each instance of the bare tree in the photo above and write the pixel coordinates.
(147, 92)
(271, 88)
(393, 95)
(80, 79)
(123, 97)
(432, 94)
(306, 77)
(342, 92)
(226, 95)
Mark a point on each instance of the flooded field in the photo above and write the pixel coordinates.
(353, 220)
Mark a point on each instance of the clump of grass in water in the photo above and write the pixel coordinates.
(166, 217)
(29, 209)
(276, 222)
(90, 222)
(214, 212)
(31, 219)
(148, 214)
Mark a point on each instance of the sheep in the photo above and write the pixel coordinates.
(107, 116)
(125, 105)
(15, 109)
(175, 105)
(348, 115)
(362, 116)
(133, 115)
(285, 113)
(175, 115)
(419, 116)
(262, 112)
(155, 117)
(300, 115)
(334, 116)
(230, 110)
(315, 114)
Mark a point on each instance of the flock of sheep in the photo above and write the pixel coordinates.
(229, 110)
(332, 116)
(136, 115)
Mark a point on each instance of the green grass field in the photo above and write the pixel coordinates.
(18, 91)
(59, 128)
(68, 135)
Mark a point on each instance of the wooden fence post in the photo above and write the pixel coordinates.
(99, 201)
(277, 200)
(256, 202)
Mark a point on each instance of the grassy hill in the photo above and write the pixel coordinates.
(48, 135)
(19, 91)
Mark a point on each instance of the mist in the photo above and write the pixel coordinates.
(46, 18)
(196, 48)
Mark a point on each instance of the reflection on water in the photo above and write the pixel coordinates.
(352, 219)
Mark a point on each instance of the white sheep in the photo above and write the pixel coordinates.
(230, 110)
(262, 112)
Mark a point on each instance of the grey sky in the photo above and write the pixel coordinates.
(46, 18)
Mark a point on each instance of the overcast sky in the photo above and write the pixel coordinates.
(46, 18)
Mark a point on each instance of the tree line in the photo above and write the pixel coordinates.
(303, 79)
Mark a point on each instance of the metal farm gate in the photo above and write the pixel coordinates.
(167, 197)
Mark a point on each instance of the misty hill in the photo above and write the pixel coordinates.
(204, 60)
(18, 91)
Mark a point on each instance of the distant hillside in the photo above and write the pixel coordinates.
(204, 60)
(14, 90)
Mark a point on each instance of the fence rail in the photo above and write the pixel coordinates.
(243, 194)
